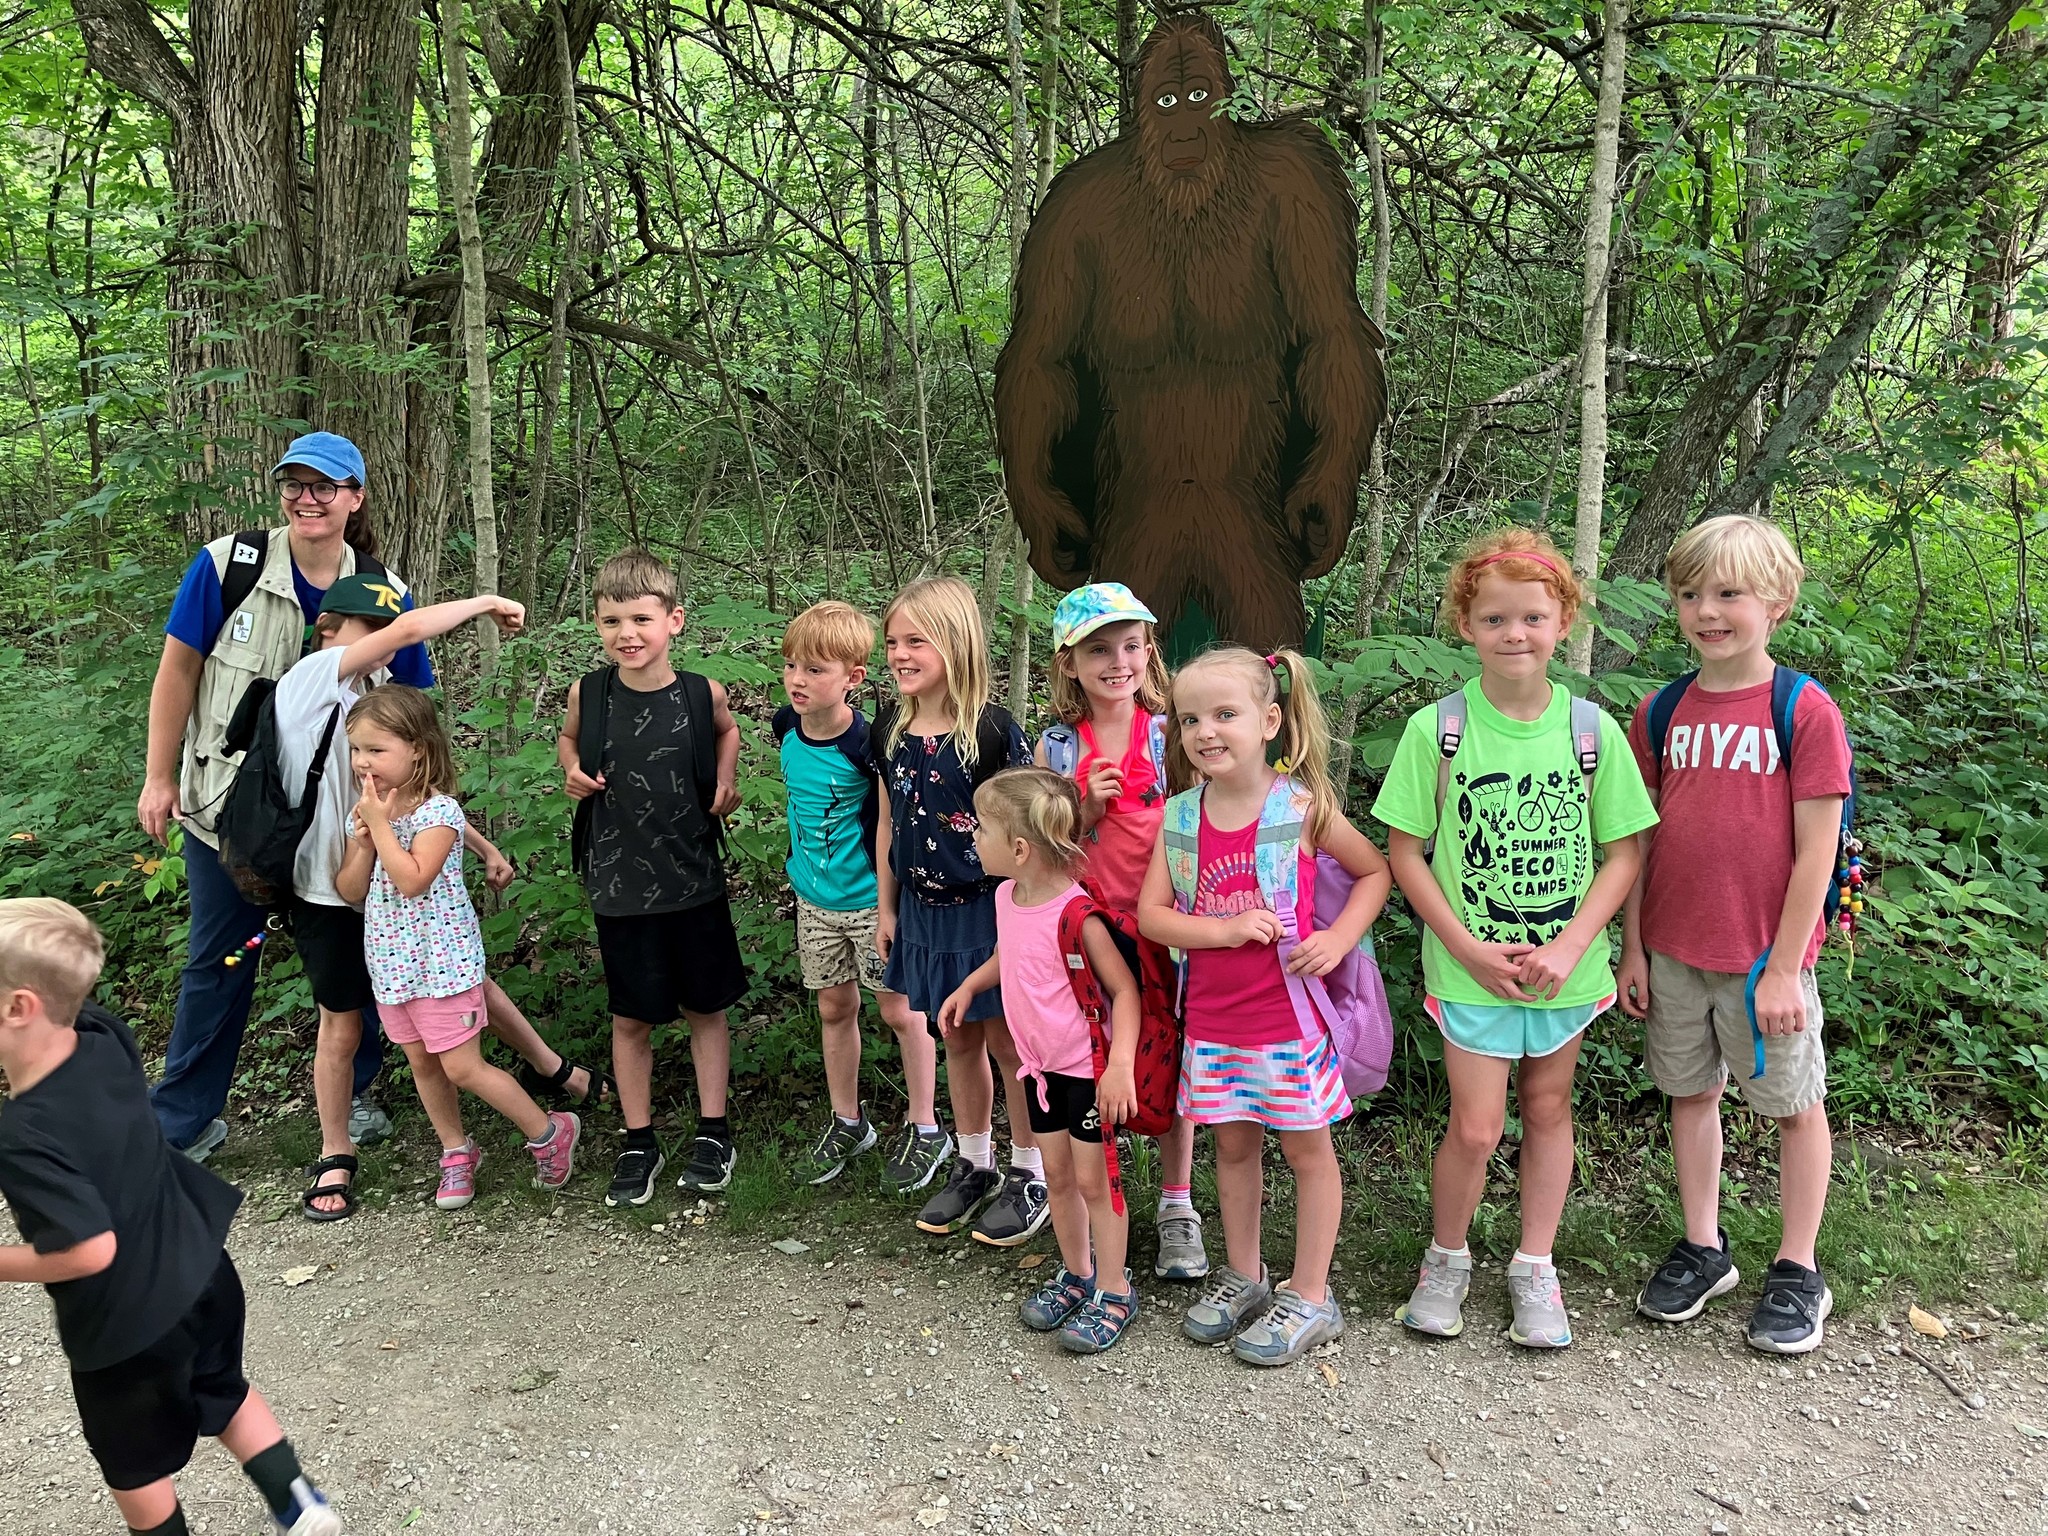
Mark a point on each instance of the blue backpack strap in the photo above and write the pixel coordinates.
(1663, 705)
(1062, 749)
(1786, 686)
(1756, 1034)
(1450, 734)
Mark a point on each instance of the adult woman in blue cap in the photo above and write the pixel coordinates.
(244, 611)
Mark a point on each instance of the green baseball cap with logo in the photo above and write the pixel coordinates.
(364, 597)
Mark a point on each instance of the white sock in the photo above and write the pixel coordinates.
(1538, 1259)
(1030, 1159)
(843, 1120)
(979, 1148)
(925, 1130)
(1462, 1251)
(1181, 1200)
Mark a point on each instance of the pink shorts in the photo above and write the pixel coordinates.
(438, 1023)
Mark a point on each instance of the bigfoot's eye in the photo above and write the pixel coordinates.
(1168, 101)
(1196, 98)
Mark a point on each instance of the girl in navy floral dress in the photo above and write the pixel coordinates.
(938, 919)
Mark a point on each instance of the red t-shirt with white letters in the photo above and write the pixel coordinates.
(1723, 851)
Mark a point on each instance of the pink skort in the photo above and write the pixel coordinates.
(438, 1023)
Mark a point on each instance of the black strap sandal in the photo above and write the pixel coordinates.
(341, 1162)
(553, 1087)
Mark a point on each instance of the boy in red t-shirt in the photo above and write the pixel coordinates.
(1738, 869)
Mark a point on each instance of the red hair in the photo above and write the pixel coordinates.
(1515, 554)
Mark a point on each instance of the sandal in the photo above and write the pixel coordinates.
(552, 1088)
(341, 1162)
(1056, 1300)
(1100, 1320)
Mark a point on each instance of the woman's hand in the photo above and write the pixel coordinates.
(1116, 1094)
(158, 806)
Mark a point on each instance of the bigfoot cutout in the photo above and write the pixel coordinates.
(1190, 389)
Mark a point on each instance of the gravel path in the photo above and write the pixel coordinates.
(504, 1372)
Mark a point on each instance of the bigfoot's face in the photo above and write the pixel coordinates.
(1183, 146)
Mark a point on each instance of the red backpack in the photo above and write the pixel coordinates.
(1156, 1071)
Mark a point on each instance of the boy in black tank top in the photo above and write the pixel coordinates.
(651, 755)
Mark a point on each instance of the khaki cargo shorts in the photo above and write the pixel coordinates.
(834, 948)
(1698, 1036)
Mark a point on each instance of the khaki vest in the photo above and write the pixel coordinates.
(261, 638)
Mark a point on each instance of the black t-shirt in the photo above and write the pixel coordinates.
(81, 1153)
(653, 847)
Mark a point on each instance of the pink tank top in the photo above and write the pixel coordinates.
(1038, 1000)
(1120, 845)
(1239, 996)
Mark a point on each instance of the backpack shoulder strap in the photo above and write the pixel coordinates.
(1450, 735)
(246, 557)
(1663, 705)
(703, 736)
(1080, 975)
(1156, 740)
(1182, 832)
(1276, 850)
(593, 711)
(1062, 749)
(991, 744)
(317, 769)
(1585, 717)
(1786, 686)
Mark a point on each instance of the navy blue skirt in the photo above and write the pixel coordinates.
(937, 948)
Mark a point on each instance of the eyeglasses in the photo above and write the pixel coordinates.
(322, 490)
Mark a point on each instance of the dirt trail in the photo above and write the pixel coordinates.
(497, 1372)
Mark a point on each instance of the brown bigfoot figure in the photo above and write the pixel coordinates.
(1190, 390)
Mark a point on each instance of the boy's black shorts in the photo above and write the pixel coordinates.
(143, 1415)
(664, 962)
(1073, 1106)
(330, 945)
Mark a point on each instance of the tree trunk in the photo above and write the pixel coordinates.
(868, 98)
(1592, 369)
(237, 250)
(1048, 157)
(1127, 41)
(1770, 330)
(358, 387)
(475, 341)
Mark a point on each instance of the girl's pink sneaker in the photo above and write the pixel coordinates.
(554, 1158)
(458, 1176)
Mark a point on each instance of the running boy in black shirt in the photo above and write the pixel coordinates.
(126, 1236)
(651, 756)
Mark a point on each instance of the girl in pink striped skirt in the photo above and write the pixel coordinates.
(1255, 1058)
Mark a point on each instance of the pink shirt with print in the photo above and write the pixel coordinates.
(1723, 851)
(1239, 996)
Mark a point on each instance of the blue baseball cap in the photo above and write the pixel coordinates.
(330, 453)
(1086, 609)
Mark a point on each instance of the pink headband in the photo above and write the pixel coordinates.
(1520, 554)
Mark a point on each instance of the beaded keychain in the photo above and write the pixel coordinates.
(1849, 895)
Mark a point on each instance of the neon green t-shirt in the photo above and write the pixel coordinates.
(1515, 856)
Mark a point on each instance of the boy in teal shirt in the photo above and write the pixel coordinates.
(833, 804)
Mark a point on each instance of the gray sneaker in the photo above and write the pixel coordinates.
(1437, 1304)
(1181, 1254)
(840, 1143)
(1289, 1329)
(367, 1123)
(1231, 1301)
(913, 1158)
(1017, 1213)
(208, 1142)
(1540, 1319)
(966, 1191)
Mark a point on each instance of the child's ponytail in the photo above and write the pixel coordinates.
(1305, 737)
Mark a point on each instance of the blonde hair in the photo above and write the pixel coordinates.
(409, 715)
(1069, 700)
(1038, 805)
(945, 612)
(1304, 728)
(1745, 551)
(830, 631)
(52, 949)
(1515, 554)
(635, 573)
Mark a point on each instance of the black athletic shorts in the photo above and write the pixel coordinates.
(668, 962)
(1073, 1106)
(143, 1415)
(330, 945)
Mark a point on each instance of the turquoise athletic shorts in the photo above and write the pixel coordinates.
(1513, 1030)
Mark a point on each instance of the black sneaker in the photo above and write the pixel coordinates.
(1689, 1278)
(1016, 1215)
(913, 1158)
(840, 1143)
(1789, 1314)
(710, 1166)
(633, 1176)
(966, 1191)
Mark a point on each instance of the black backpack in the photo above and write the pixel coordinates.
(856, 745)
(259, 828)
(594, 718)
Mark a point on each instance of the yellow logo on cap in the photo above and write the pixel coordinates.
(387, 597)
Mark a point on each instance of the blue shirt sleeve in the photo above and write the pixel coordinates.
(412, 665)
(196, 612)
